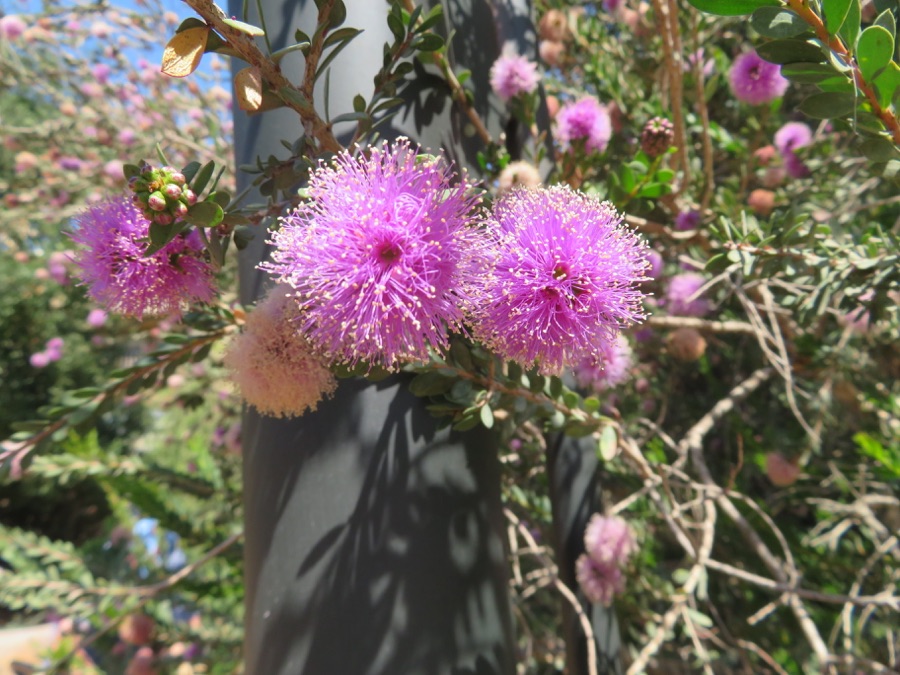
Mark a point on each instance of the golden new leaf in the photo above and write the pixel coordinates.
(183, 52)
(248, 89)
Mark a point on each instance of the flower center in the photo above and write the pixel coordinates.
(388, 252)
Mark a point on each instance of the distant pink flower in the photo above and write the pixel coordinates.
(112, 263)
(584, 121)
(54, 348)
(756, 81)
(126, 136)
(791, 136)
(101, 30)
(512, 76)
(611, 369)
(12, 27)
(560, 280)
(101, 72)
(599, 583)
(379, 255)
(25, 161)
(57, 267)
(697, 57)
(273, 365)
(687, 220)
(92, 90)
(682, 295)
(96, 318)
(39, 360)
(69, 163)
(114, 169)
(609, 544)
(655, 261)
(788, 139)
(608, 540)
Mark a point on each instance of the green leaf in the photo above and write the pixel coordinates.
(791, 51)
(350, 117)
(243, 235)
(652, 191)
(359, 103)
(879, 149)
(249, 29)
(835, 14)
(200, 181)
(160, 235)
(430, 384)
(130, 170)
(732, 7)
(809, 73)
(487, 416)
(887, 84)
(346, 37)
(397, 28)
(887, 21)
(430, 19)
(338, 14)
(608, 445)
(775, 22)
(429, 42)
(850, 30)
(828, 105)
(205, 214)
(192, 22)
(220, 197)
(874, 50)
(190, 171)
(626, 178)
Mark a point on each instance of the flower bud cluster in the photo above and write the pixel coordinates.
(163, 195)
(656, 137)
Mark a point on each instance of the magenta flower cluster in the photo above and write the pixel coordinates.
(113, 238)
(513, 76)
(608, 544)
(586, 122)
(756, 81)
(388, 254)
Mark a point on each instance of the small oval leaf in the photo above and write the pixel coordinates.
(249, 29)
(248, 89)
(874, 50)
(183, 52)
(828, 105)
(732, 7)
(790, 51)
(775, 22)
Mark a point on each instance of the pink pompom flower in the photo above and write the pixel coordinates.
(584, 121)
(380, 255)
(611, 369)
(113, 236)
(756, 81)
(561, 278)
(512, 76)
(273, 365)
(609, 544)
(683, 295)
(12, 27)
